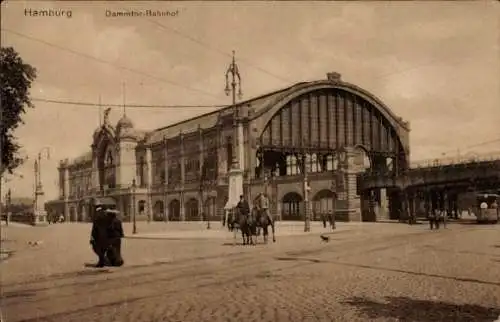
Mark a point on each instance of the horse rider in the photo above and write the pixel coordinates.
(243, 206)
(264, 207)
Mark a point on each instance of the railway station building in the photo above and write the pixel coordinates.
(304, 146)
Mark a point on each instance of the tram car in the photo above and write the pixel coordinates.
(486, 208)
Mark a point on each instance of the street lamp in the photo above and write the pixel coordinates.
(134, 223)
(236, 80)
(334, 204)
(307, 188)
(231, 88)
(307, 219)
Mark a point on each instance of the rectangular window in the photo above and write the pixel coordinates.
(305, 119)
(295, 123)
(275, 130)
(313, 111)
(366, 127)
(383, 137)
(349, 120)
(358, 139)
(323, 121)
(340, 120)
(375, 133)
(332, 121)
(285, 118)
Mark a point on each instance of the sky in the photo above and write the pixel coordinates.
(435, 64)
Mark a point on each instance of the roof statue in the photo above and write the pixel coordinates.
(106, 115)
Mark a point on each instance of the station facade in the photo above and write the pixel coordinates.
(304, 146)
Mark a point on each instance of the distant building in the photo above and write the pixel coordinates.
(334, 128)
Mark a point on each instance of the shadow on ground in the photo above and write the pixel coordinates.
(414, 310)
(239, 243)
(22, 294)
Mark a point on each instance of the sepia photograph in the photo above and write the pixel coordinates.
(271, 161)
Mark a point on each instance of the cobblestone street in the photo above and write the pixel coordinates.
(369, 272)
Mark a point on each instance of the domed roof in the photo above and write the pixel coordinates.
(124, 123)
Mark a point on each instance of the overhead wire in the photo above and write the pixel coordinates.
(192, 39)
(126, 105)
(102, 61)
(201, 43)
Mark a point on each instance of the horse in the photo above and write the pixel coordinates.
(264, 221)
(245, 223)
(232, 221)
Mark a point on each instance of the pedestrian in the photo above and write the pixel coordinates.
(98, 236)
(444, 217)
(430, 216)
(331, 219)
(323, 217)
(436, 218)
(114, 236)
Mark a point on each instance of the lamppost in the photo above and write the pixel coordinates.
(236, 172)
(307, 219)
(233, 70)
(235, 81)
(134, 223)
(334, 205)
(307, 188)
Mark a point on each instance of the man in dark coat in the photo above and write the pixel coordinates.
(243, 206)
(98, 236)
(243, 209)
(115, 235)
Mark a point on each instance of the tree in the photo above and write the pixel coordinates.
(16, 78)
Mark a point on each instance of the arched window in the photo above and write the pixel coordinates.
(141, 207)
(158, 210)
(290, 208)
(174, 210)
(192, 210)
(211, 208)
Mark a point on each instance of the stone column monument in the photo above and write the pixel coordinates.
(40, 215)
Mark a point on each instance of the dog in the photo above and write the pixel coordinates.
(324, 238)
